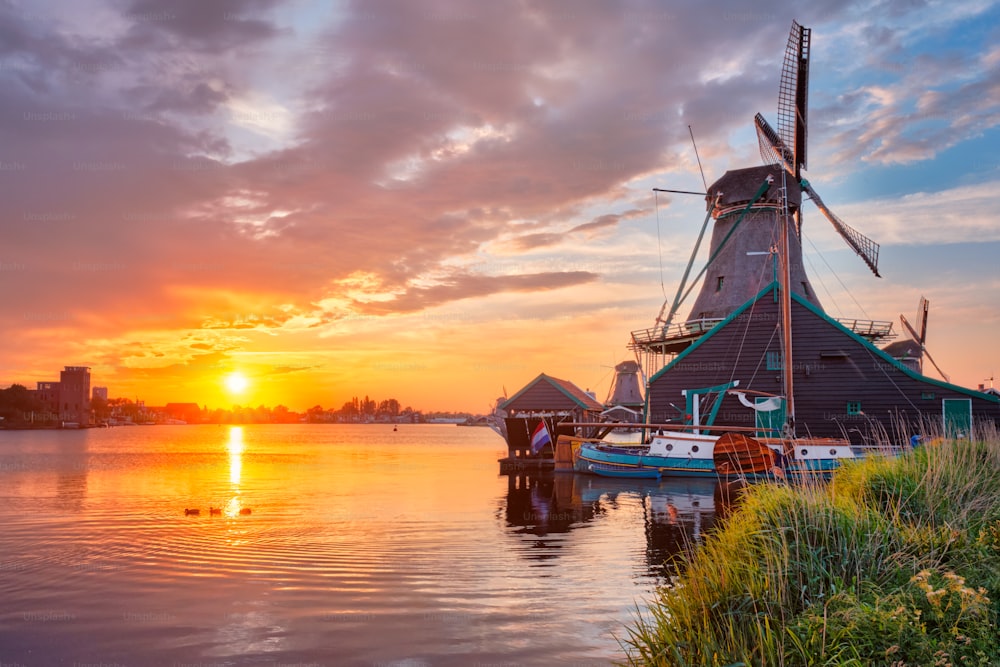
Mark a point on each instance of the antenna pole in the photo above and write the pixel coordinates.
(703, 181)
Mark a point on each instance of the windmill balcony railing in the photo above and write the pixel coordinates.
(871, 329)
(674, 332)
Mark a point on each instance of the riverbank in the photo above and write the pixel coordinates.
(894, 562)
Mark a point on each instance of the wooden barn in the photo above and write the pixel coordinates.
(844, 386)
(544, 398)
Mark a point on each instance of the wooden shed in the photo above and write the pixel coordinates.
(550, 399)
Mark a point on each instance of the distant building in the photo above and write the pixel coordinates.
(74, 394)
(99, 393)
(47, 394)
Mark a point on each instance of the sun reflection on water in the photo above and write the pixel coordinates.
(235, 447)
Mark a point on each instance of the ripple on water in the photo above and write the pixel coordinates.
(401, 550)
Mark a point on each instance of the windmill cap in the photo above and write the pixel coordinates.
(738, 186)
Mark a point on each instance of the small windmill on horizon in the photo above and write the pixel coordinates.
(911, 351)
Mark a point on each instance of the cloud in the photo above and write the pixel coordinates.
(174, 168)
(916, 98)
(214, 27)
(958, 215)
(465, 286)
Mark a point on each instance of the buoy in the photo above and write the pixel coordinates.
(215, 511)
(245, 510)
(192, 512)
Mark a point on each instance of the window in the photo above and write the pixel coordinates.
(775, 361)
(718, 283)
(854, 408)
(805, 289)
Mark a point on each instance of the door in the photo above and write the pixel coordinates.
(957, 415)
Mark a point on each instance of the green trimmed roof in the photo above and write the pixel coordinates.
(566, 395)
(772, 289)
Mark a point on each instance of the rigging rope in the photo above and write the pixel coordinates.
(659, 248)
(835, 275)
(812, 267)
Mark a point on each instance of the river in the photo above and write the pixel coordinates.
(332, 545)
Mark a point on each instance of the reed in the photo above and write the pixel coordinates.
(895, 561)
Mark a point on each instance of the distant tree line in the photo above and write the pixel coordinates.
(19, 408)
(16, 401)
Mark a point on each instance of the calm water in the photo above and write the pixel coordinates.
(364, 546)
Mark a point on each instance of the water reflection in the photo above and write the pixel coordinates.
(71, 463)
(676, 514)
(235, 447)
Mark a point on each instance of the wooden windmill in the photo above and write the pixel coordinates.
(912, 352)
(748, 206)
(741, 238)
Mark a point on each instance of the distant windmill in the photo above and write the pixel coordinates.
(921, 338)
(737, 264)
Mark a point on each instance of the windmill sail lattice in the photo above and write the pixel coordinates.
(793, 97)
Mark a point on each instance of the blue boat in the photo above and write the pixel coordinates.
(726, 456)
(705, 450)
(623, 471)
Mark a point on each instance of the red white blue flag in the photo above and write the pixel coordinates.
(540, 438)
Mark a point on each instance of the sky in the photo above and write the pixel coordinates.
(437, 201)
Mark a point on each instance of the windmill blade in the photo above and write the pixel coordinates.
(931, 359)
(772, 149)
(865, 248)
(919, 338)
(910, 330)
(793, 97)
(922, 310)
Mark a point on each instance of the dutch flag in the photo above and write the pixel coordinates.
(540, 438)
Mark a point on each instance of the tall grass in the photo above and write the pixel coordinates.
(896, 561)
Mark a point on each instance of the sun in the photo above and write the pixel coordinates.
(236, 382)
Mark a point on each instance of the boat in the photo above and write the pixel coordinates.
(622, 470)
(726, 455)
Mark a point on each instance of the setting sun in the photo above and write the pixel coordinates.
(236, 382)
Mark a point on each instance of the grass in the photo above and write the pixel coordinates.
(896, 562)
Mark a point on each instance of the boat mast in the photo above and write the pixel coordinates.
(785, 288)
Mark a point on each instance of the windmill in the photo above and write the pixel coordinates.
(787, 146)
(749, 207)
(747, 220)
(920, 338)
